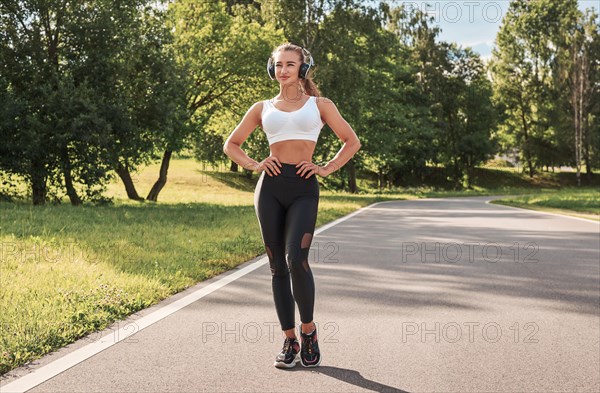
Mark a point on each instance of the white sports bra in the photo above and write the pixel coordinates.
(304, 123)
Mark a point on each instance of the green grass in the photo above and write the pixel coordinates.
(67, 272)
(581, 202)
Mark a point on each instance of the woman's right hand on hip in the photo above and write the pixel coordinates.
(270, 165)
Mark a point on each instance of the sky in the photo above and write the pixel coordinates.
(470, 22)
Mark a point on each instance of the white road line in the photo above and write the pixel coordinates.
(541, 212)
(58, 366)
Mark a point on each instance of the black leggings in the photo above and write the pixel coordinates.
(286, 207)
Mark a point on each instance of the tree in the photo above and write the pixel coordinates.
(219, 51)
(577, 71)
(479, 115)
(85, 85)
(465, 141)
(29, 61)
(527, 47)
(397, 127)
(299, 20)
(351, 45)
(454, 100)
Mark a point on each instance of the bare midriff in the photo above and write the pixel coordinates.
(293, 151)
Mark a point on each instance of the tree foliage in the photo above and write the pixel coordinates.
(545, 62)
(87, 89)
(90, 89)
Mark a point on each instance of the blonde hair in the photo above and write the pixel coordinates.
(308, 85)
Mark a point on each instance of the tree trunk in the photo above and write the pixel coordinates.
(351, 177)
(71, 192)
(233, 167)
(577, 95)
(457, 174)
(38, 183)
(470, 171)
(586, 149)
(162, 177)
(525, 146)
(530, 167)
(123, 172)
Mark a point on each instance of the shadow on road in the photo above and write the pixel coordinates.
(508, 253)
(352, 377)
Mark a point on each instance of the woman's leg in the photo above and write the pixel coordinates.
(271, 218)
(300, 221)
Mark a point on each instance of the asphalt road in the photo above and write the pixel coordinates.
(438, 295)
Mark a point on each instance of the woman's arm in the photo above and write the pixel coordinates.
(331, 116)
(232, 148)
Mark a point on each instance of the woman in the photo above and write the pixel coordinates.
(286, 201)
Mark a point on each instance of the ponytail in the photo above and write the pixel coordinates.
(310, 87)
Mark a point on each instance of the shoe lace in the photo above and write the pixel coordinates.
(287, 344)
(307, 342)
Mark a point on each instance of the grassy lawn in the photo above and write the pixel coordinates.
(579, 202)
(67, 272)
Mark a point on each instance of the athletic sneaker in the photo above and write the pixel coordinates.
(289, 354)
(310, 356)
